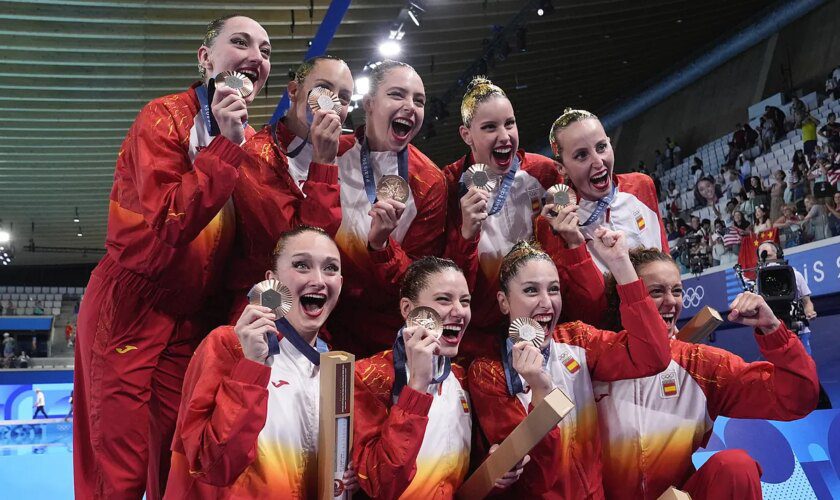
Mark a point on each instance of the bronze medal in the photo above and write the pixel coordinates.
(272, 294)
(426, 317)
(392, 187)
(480, 176)
(236, 81)
(560, 195)
(323, 98)
(526, 330)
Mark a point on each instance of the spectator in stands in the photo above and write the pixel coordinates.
(740, 221)
(671, 229)
(744, 204)
(777, 194)
(777, 116)
(10, 308)
(732, 184)
(40, 404)
(728, 211)
(831, 131)
(697, 169)
(750, 136)
(798, 113)
(23, 360)
(68, 333)
(761, 219)
(809, 136)
(38, 310)
(832, 89)
(818, 175)
(658, 161)
(814, 224)
(695, 227)
(790, 228)
(672, 198)
(833, 208)
(9, 345)
(721, 255)
(768, 133)
(739, 138)
(798, 183)
(706, 193)
(668, 160)
(676, 151)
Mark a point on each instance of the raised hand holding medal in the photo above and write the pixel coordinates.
(255, 328)
(324, 124)
(420, 349)
(480, 183)
(561, 211)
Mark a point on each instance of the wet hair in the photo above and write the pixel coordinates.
(378, 72)
(521, 253)
(420, 272)
(215, 27)
(285, 236)
(639, 257)
(479, 90)
(306, 67)
(568, 117)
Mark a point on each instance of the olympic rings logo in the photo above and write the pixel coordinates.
(693, 296)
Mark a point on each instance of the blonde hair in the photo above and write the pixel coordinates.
(308, 65)
(479, 90)
(568, 117)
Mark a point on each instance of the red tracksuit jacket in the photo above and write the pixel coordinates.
(170, 221)
(367, 315)
(416, 447)
(276, 193)
(578, 355)
(651, 426)
(481, 257)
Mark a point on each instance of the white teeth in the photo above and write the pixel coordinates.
(543, 318)
(453, 328)
(252, 75)
(502, 151)
(403, 122)
(315, 296)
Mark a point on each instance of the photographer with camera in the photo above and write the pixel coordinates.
(770, 254)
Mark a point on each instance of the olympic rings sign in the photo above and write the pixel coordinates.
(692, 297)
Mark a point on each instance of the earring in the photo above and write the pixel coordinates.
(202, 71)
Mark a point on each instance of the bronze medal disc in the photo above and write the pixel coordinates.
(560, 195)
(272, 294)
(392, 187)
(236, 81)
(426, 317)
(323, 98)
(526, 330)
(479, 175)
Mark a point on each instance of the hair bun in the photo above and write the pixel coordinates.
(477, 81)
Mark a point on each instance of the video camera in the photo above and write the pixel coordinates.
(775, 280)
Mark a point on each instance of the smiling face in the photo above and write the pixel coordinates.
(447, 293)
(586, 157)
(241, 45)
(664, 285)
(310, 265)
(534, 292)
(492, 135)
(706, 190)
(331, 74)
(394, 111)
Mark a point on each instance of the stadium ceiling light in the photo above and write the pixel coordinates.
(390, 48)
(362, 86)
(76, 218)
(5, 237)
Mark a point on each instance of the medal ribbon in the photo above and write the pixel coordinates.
(507, 182)
(294, 338)
(289, 154)
(400, 358)
(367, 169)
(603, 203)
(514, 383)
(204, 106)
